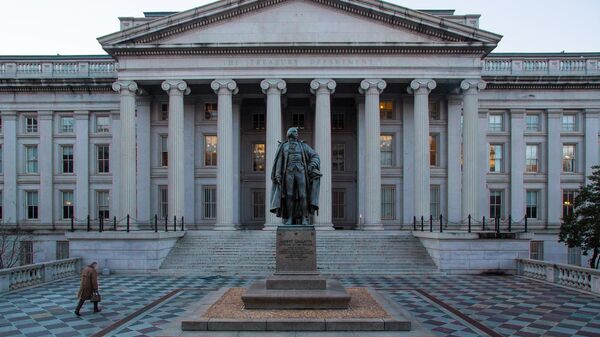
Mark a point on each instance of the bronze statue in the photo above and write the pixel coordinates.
(296, 180)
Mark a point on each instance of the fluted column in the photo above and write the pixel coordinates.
(176, 90)
(9, 166)
(454, 164)
(82, 165)
(46, 168)
(128, 180)
(517, 163)
(225, 89)
(323, 89)
(421, 88)
(273, 88)
(470, 89)
(591, 141)
(372, 88)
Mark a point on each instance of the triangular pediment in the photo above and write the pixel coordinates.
(315, 23)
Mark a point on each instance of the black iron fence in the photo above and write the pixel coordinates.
(471, 224)
(127, 224)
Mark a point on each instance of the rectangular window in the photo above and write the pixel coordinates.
(67, 158)
(434, 202)
(31, 124)
(258, 157)
(496, 204)
(210, 202)
(496, 123)
(164, 151)
(532, 204)
(533, 122)
(388, 202)
(568, 200)
(338, 157)
(387, 150)
(258, 204)
(66, 124)
(569, 123)
(536, 250)
(434, 111)
(210, 111)
(338, 120)
(574, 256)
(26, 252)
(164, 111)
(531, 158)
(102, 152)
(163, 201)
(496, 155)
(298, 120)
(102, 124)
(62, 250)
(258, 121)
(210, 150)
(67, 205)
(31, 204)
(568, 158)
(339, 203)
(433, 150)
(102, 200)
(386, 110)
(31, 158)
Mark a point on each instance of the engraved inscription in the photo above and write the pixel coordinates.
(296, 251)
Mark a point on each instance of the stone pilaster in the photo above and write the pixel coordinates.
(323, 89)
(115, 158)
(554, 167)
(9, 166)
(372, 88)
(470, 89)
(421, 88)
(127, 171)
(225, 89)
(82, 165)
(46, 170)
(454, 163)
(273, 88)
(517, 163)
(591, 141)
(176, 90)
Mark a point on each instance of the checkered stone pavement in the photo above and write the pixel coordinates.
(451, 306)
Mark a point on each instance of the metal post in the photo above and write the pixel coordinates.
(166, 224)
(182, 226)
(441, 223)
(89, 226)
(100, 225)
(174, 224)
(115, 223)
(509, 223)
(421, 223)
(430, 223)
(72, 224)
(525, 223)
(414, 223)
(498, 225)
(155, 223)
(469, 223)
(483, 224)
(127, 223)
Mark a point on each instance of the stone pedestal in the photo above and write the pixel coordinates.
(296, 283)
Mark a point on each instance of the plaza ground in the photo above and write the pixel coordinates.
(453, 306)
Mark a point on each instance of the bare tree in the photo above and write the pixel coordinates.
(10, 246)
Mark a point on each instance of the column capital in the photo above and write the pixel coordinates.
(273, 85)
(591, 113)
(517, 113)
(175, 87)
(8, 114)
(554, 112)
(472, 86)
(421, 86)
(372, 85)
(45, 114)
(228, 85)
(125, 87)
(81, 114)
(323, 85)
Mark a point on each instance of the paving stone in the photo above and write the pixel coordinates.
(296, 325)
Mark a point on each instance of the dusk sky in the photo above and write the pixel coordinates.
(42, 27)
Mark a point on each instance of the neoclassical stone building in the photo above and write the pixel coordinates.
(411, 112)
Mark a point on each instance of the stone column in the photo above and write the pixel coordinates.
(176, 171)
(323, 89)
(554, 167)
(591, 141)
(470, 195)
(273, 88)
(82, 165)
(360, 167)
(46, 170)
(115, 158)
(517, 163)
(127, 171)
(9, 166)
(372, 88)
(421, 88)
(225, 89)
(144, 212)
(236, 160)
(454, 155)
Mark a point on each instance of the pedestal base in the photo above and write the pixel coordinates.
(334, 296)
(296, 281)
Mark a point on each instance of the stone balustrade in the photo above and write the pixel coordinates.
(100, 67)
(536, 65)
(33, 274)
(566, 275)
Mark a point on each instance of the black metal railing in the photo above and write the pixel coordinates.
(126, 224)
(471, 224)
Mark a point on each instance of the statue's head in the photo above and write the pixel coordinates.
(292, 133)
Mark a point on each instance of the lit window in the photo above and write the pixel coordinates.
(258, 121)
(210, 111)
(531, 159)
(388, 202)
(533, 122)
(102, 124)
(102, 200)
(31, 204)
(386, 110)
(164, 151)
(532, 204)
(67, 158)
(258, 157)
(102, 152)
(62, 250)
(163, 201)
(568, 198)
(298, 120)
(67, 205)
(338, 157)
(434, 111)
(210, 150)
(31, 124)
(433, 150)
(338, 120)
(496, 155)
(387, 150)
(496, 204)
(66, 124)
(568, 123)
(496, 123)
(434, 201)
(31, 157)
(210, 202)
(258, 204)
(339, 203)
(536, 250)
(569, 158)
(164, 111)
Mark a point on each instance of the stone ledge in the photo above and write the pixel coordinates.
(279, 324)
(138, 235)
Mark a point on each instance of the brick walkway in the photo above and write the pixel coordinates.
(447, 305)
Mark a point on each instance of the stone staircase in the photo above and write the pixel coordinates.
(339, 253)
